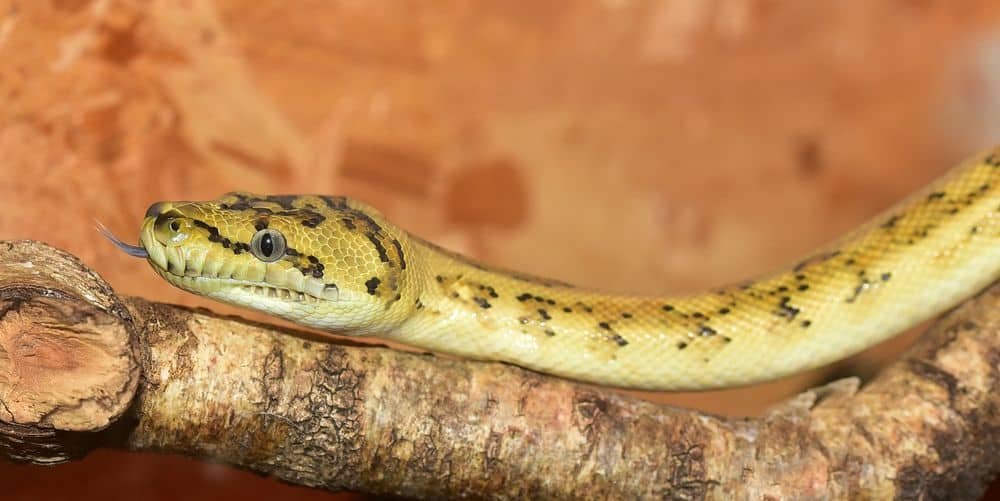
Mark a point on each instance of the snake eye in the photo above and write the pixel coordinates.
(175, 225)
(268, 245)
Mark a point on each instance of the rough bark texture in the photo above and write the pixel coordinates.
(384, 421)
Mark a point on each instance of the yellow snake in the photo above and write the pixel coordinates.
(334, 263)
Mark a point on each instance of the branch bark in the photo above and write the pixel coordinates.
(81, 368)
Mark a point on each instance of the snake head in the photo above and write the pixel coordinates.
(327, 262)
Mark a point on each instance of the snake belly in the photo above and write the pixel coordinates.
(337, 264)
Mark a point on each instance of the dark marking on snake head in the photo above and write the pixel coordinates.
(549, 332)
(626, 314)
(886, 276)
(681, 345)
(619, 340)
(399, 252)
(348, 223)
(724, 310)
(806, 323)
(937, 195)
(260, 224)
(524, 297)
(668, 307)
(604, 325)
(803, 287)
(706, 331)
(482, 302)
(544, 314)
(372, 284)
(382, 254)
(891, 222)
(567, 309)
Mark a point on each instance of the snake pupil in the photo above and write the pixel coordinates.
(266, 245)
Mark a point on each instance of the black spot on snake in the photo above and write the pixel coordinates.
(785, 310)
(544, 314)
(706, 331)
(891, 222)
(617, 338)
(549, 332)
(348, 223)
(626, 314)
(937, 195)
(861, 287)
(567, 309)
(524, 297)
(604, 325)
(482, 302)
(372, 284)
(806, 323)
(724, 311)
(681, 345)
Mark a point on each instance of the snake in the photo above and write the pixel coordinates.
(337, 264)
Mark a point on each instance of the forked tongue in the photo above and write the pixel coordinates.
(132, 250)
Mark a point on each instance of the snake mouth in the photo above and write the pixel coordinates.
(235, 289)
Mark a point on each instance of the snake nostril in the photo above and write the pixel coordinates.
(155, 209)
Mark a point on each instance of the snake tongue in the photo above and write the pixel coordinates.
(132, 250)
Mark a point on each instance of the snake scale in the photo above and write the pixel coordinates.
(336, 264)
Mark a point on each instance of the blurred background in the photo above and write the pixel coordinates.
(630, 145)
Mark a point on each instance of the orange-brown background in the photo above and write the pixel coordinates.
(631, 145)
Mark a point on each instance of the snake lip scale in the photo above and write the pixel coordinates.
(337, 264)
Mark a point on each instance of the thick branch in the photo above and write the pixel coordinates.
(378, 420)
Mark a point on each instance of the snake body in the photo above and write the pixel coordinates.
(334, 263)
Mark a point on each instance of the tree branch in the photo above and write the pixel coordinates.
(81, 368)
